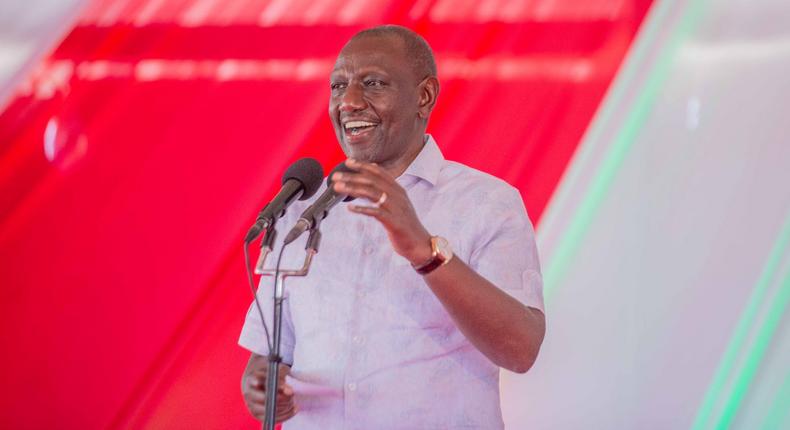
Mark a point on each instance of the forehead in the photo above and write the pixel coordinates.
(373, 52)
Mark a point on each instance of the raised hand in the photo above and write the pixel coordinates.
(392, 207)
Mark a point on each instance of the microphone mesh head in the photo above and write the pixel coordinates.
(309, 172)
(340, 168)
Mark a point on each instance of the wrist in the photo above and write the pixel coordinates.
(441, 254)
(421, 251)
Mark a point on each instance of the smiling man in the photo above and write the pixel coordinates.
(418, 299)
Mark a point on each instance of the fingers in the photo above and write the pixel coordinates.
(286, 406)
(366, 210)
(284, 393)
(370, 182)
(391, 204)
(366, 174)
(258, 375)
(361, 179)
(285, 413)
(253, 389)
(257, 393)
(259, 400)
(284, 410)
(371, 168)
(370, 192)
(257, 381)
(357, 178)
(280, 415)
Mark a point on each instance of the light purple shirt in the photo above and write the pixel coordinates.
(371, 347)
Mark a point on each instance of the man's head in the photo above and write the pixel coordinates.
(383, 88)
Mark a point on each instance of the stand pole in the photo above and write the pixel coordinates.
(274, 359)
(273, 373)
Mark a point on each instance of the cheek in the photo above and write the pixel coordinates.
(390, 114)
(402, 109)
(333, 118)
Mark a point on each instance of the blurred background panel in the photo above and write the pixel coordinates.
(28, 30)
(139, 138)
(665, 248)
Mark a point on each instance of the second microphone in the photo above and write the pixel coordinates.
(316, 212)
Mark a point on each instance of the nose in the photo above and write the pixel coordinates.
(352, 99)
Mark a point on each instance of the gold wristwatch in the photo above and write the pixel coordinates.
(441, 254)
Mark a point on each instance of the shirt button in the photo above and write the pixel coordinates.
(357, 339)
(360, 294)
(368, 250)
(352, 386)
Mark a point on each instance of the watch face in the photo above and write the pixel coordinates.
(443, 247)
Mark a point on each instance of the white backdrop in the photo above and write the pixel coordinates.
(665, 249)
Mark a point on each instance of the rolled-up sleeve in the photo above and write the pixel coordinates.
(505, 252)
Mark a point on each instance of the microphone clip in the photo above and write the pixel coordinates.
(311, 248)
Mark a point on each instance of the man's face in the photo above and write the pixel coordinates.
(374, 102)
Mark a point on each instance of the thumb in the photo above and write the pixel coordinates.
(286, 389)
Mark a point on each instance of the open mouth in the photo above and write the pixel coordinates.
(355, 128)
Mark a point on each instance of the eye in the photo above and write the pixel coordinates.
(337, 85)
(374, 83)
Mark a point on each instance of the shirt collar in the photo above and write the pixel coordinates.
(428, 163)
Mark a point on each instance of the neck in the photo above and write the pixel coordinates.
(397, 167)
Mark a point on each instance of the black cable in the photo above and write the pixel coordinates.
(255, 294)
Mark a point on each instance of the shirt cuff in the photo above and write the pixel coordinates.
(254, 340)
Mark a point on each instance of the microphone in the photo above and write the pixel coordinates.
(320, 208)
(300, 181)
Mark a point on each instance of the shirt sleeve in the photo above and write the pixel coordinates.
(505, 253)
(253, 335)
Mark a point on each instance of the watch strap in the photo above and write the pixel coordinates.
(437, 258)
(431, 265)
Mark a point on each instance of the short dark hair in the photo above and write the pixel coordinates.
(417, 48)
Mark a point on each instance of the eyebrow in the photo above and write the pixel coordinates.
(368, 70)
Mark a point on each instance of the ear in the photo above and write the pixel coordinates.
(428, 92)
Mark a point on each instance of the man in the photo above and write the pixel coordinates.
(415, 301)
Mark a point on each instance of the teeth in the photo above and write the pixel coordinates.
(357, 124)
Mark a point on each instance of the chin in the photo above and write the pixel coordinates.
(366, 153)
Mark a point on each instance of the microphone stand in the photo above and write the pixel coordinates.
(274, 358)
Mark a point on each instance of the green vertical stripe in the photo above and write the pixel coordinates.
(601, 184)
(756, 354)
(715, 394)
(779, 413)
